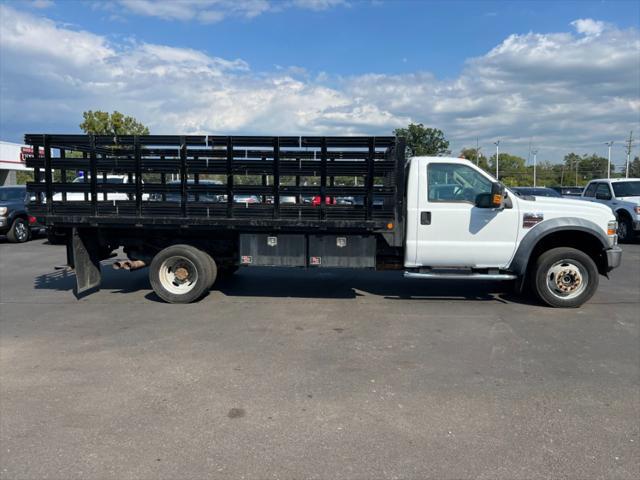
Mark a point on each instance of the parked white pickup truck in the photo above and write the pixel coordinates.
(103, 179)
(622, 196)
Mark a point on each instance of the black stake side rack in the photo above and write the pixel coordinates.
(164, 181)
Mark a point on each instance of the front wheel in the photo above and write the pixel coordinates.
(19, 231)
(625, 229)
(565, 277)
(181, 274)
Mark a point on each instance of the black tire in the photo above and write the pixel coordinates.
(565, 277)
(172, 269)
(625, 229)
(213, 267)
(19, 231)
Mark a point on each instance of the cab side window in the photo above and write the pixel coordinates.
(591, 190)
(603, 190)
(448, 182)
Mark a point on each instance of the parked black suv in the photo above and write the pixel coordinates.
(15, 222)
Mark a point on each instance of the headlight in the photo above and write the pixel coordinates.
(3, 211)
(637, 209)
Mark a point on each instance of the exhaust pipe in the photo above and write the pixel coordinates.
(134, 264)
(128, 265)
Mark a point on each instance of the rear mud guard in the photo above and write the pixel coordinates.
(86, 263)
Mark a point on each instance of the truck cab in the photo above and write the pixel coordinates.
(461, 222)
(622, 196)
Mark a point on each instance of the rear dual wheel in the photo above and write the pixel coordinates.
(182, 274)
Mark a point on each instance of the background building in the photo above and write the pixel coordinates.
(12, 161)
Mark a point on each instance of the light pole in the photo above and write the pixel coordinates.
(535, 153)
(609, 144)
(497, 144)
(628, 148)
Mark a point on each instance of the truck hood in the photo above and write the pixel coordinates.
(635, 200)
(12, 205)
(564, 207)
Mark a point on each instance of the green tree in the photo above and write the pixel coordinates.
(585, 167)
(423, 140)
(471, 154)
(511, 170)
(104, 123)
(23, 177)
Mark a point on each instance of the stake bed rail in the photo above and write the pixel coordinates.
(204, 180)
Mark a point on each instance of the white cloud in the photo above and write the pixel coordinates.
(210, 11)
(318, 4)
(567, 91)
(588, 26)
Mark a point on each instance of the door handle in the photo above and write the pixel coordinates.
(425, 218)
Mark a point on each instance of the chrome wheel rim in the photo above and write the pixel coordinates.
(21, 231)
(178, 275)
(567, 279)
(622, 230)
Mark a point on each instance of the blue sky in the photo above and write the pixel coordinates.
(358, 37)
(563, 75)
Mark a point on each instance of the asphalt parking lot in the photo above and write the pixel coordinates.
(294, 374)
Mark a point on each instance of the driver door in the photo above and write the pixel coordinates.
(451, 230)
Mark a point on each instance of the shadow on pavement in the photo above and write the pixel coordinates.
(119, 281)
(298, 283)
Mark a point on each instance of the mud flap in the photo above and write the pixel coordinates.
(86, 263)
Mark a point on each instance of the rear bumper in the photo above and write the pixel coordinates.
(614, 257)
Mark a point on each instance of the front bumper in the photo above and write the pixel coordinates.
(614, 257)
(636, 225)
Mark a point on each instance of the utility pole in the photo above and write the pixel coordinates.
(609, 144)
(497, 144)
(477, 152)
(628, 148)
(535, 153)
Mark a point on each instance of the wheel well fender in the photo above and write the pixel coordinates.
(13, 216)
(578, 233)
(622, 213)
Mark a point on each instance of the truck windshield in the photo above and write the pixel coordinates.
(626, 189)
(11, 194)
